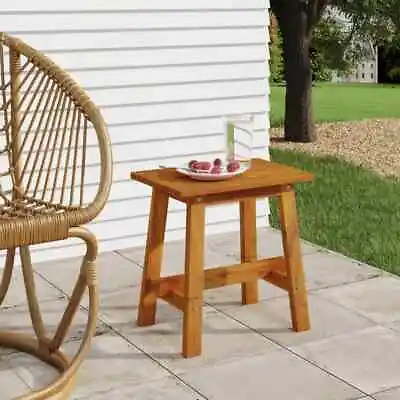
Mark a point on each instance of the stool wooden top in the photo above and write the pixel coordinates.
(262, 175)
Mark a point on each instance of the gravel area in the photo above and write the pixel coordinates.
(373, 144)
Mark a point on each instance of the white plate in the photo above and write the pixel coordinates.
(207, 176)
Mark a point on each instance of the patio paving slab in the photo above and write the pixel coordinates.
(223, 340)
(11, 385)
(16, 294)
(376, 299)
(112, 363)
(120, 309)
(322, 270)
(174, 257)
(271, 318)
(275, 375)
(64, 273)
(391, 394)
(163, 389)
(269, 243)
(368, 359)
(325, 269)
(17, 319)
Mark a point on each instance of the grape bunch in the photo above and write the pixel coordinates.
(213, 168)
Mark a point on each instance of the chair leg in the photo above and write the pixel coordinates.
(7, 274)
(292, 250)
(87, 279)
(194, 281)
(153, 258)
(33, 304)
(48, 349)
(248, 246)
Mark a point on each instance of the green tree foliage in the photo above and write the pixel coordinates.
(334, 47)
(276, 59)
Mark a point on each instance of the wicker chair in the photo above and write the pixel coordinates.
(49, 129)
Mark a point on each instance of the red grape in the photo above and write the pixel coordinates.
(216, 170)
(233, 166)
(202, 165)
(217, 162)
(192, 163)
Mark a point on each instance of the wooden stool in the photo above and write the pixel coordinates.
(185, 291)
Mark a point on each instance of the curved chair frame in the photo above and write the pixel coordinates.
(43, 105)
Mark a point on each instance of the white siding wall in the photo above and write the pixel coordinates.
(162, 72)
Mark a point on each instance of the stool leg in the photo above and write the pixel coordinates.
(292, 250)
(153, 258)
(194, 281)
(248, 246)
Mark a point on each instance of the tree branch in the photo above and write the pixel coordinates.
(277, 7)
(315, 9)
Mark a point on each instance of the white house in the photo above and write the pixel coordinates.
(163, 73)
(367, 70)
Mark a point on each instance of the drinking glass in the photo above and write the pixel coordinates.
(239, 132)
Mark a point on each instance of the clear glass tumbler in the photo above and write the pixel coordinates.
(239, 132)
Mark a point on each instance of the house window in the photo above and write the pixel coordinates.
(372, 76)
(363, 66)
(363, 75)
(357, 75)
(372, 66)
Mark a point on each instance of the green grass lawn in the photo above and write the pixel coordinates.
(347, 209)
(344, 102)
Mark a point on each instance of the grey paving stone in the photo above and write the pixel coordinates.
(377, 299)
(324, 270)
(272, 319)
(167, 388)
(112, 362)
(120, 309)
(174, 257)
(391, 394)
(11, 385)
(16, 294)
(275, 375)
(223, 340)
(368, 359)
(114, 273)
(269, 243)
(17, 319)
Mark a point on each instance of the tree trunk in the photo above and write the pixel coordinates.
(299, 124)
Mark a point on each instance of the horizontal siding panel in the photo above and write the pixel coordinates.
(171, 75)
(143, 39)
(128, 5)
(189, 109)
(121, 133)
(161, 132)
(18, 24)
(158, 58)
(178, 93)
(173, 147)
